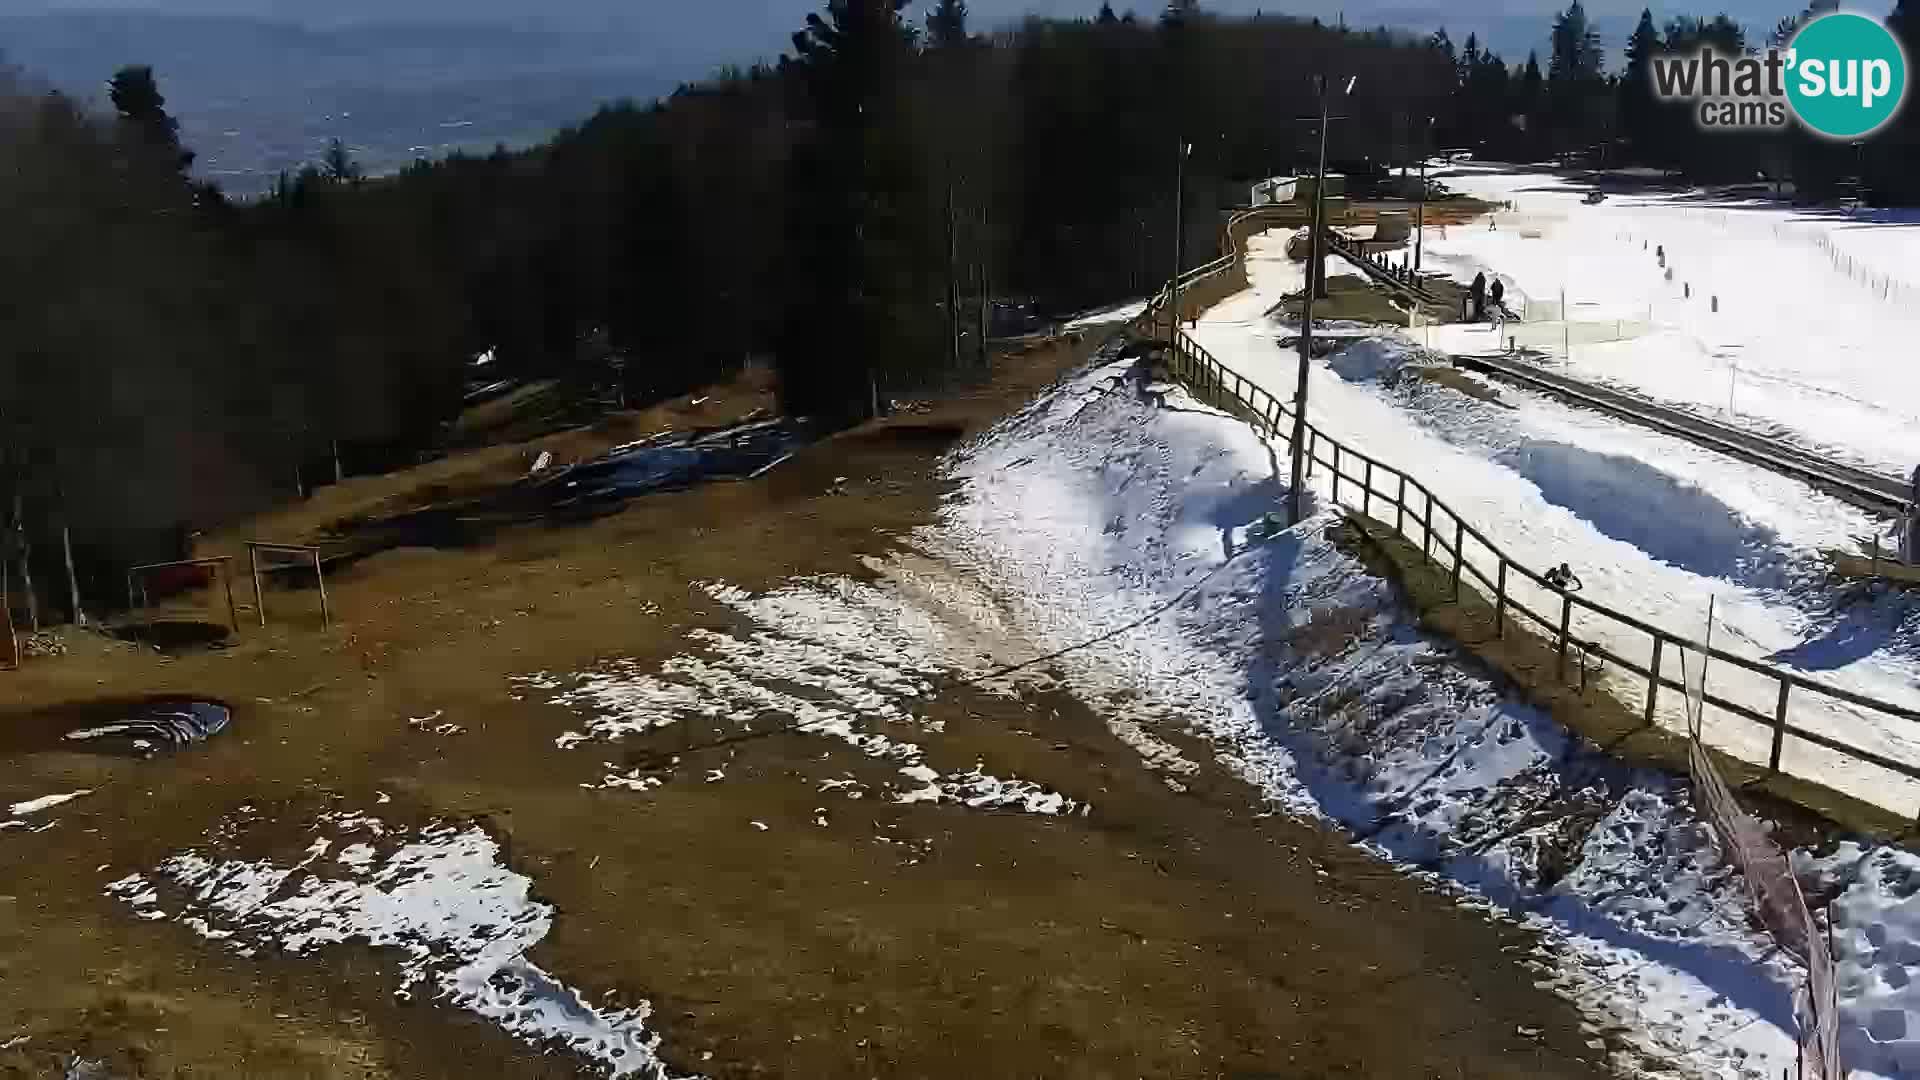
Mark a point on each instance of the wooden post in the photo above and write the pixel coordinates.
(1500, 602)
(326, 618)
(1459, 554)
(1366, 490)
(1566, 620)
(233, 613)
(259, 597)
(1779, 727)
(1400, 508)
(1426, 532)
(1653, 680)
(1336, 473)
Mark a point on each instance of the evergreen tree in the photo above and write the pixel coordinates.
(1637, 103)
(850, 242)
(1576, 55)
(947, 24)
(1106, 16)
(1528, 105)
(1890, 155)
(136, 97)
(338, 165)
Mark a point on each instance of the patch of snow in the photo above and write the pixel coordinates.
(830, 657)
(1126, 312)
(1875, 910)
(1126, 543)
(34, 806)
(461, 921)
(979, 791)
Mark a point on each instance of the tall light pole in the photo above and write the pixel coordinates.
(1419, 229)
(1314, 274)
(1181, 150)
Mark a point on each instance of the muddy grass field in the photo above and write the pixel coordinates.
(718, 868)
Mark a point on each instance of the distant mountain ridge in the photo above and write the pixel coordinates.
(256, 96)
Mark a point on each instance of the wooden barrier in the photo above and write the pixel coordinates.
(1380, 483)
(218, 562)
(255, 548)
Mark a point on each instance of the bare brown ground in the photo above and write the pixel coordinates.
(1164, 934)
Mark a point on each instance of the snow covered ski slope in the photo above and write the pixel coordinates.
(1123, 533)
(1654, 526)
(1794, 321)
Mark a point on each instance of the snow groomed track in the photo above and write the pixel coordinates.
(1861, 487)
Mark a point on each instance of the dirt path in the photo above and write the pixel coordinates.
(778, 926)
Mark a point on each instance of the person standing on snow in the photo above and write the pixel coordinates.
(1478, 294)
(1562, 577)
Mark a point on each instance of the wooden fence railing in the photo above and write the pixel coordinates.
(1443, 536)
(1206, 272)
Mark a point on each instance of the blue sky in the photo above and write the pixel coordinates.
(702, 34)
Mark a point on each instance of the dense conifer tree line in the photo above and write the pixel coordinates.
(174, 358)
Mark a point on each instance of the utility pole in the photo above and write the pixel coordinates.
(1181, 149)
(1316, 267)
(1314, 275)
(1419, 230)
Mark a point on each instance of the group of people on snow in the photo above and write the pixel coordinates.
(1485, 302)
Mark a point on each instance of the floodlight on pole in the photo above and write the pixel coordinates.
(1420, 227)
(1181, 150)
(1315, 280)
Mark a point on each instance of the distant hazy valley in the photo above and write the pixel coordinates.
(256, 96)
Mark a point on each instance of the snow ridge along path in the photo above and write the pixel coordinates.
(1123, 534)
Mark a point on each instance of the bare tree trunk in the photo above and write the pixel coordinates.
(26, 565)
(6, 612)
(953, 280)
(986, 286)
(73, 580)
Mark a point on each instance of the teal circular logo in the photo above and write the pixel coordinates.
(1846, 75)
